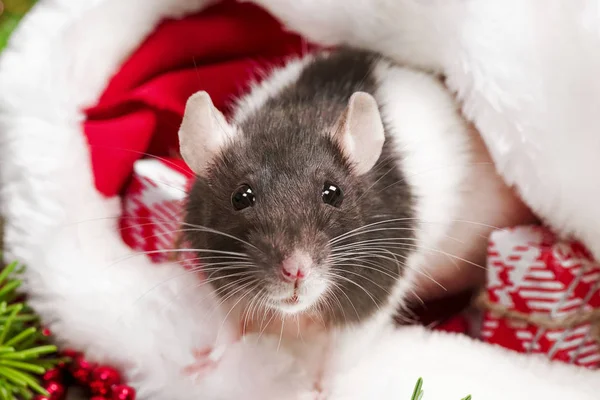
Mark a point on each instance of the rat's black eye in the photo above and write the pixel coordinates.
(242, 198)
(332, 194)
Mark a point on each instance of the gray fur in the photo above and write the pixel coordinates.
(284, 155)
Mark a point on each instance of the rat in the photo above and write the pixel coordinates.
(342, 186)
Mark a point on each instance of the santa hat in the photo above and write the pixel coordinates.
(87, 87)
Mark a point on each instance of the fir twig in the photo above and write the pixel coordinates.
(24, 350)
(418, 392)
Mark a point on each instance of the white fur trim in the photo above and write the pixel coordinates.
(453, 366)
(98, 296)
(95, 293)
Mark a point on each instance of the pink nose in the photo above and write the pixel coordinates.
(296, 267)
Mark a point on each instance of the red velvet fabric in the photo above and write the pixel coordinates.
(218, 50)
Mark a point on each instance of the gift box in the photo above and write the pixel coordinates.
(153, 207)
(542, 296)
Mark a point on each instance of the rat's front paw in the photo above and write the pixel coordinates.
(207, 360)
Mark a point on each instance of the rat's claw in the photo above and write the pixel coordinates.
(207, 359)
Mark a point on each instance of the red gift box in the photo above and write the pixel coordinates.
(153, 205)
(550, 288)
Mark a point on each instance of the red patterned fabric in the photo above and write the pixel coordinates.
(531, 271)
(153, 205)
(217, 50)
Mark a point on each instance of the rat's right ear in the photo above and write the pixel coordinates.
(360, 133)
(203, 132)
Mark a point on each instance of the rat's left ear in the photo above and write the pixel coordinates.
(360, 132)
(203, 133)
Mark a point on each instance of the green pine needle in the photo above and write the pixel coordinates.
(418, 392)
(24, 351)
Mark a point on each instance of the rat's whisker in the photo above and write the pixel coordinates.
(190, 228)
(329, 306)
(361, 276)
(363, 229)
(439, 168)
(202, 283)
(145, 154)
(365, 251)
(163, 251)
(371, 230)
(333, 240)
(341, 289)
(417, 270)
(200, 265)
(237, 290)
(266, 312)
(248, 291)
(252, 305)
(257, 301)
(220, 257)
(218, 278)
(379, 270)
(417, 246)
(212, 230)
(374, 183)
(355, 284)
(298, 332)
(281, 333)
(262, 304)
(386, 230)
(330, 292)
(360, 251)
(367, 242)
(378, 254)
(227, 267)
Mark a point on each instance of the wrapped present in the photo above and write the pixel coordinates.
(153, 205)
(543, 296)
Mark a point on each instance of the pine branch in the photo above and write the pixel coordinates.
(24, 351)
(418, 392)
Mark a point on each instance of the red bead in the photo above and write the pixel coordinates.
(46, 332)
(103, 378)
(81, 370)
(54, 374)
(55, 389)
(123, 392)
(70, 353)
(99, 398)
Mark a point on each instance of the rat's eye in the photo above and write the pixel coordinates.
(242, 198)
(332, 194)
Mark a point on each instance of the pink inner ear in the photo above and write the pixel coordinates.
(360, 132)
(203, 132)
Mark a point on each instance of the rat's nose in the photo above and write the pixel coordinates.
(296, 267)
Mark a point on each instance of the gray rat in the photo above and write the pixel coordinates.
(310, 165)
(342, 186)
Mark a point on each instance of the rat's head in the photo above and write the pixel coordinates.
(277, 212)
